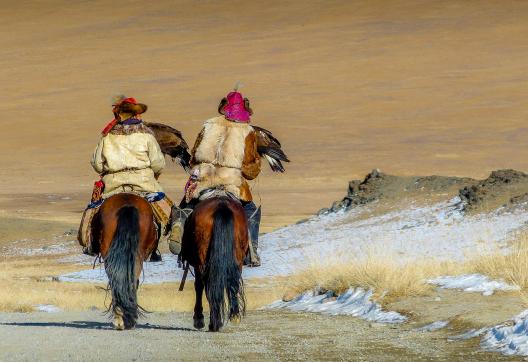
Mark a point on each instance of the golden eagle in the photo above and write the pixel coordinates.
(172, 144)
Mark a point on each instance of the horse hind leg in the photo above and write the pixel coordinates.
(198, 316)
(121, 268)
(233, 293)
(119, 323)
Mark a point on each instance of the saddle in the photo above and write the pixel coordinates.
(217, 191)
(161, 207)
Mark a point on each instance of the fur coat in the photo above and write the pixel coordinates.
(225, 154)
(129, 159)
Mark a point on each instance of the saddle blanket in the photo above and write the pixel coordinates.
(161, 207)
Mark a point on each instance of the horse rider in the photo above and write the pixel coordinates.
(224, 157)
(129, 159)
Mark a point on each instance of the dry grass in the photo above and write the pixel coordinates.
(383, 275)
(26, 282)
(387, 277)
(512, 267)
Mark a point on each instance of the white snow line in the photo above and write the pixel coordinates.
(433, 326)
(472, 283)
(355, 302)
(471, 333)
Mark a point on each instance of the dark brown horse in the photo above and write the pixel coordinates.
(215, 242)
(125, 234)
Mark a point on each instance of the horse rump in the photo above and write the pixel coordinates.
(120, 264)
(223, 275)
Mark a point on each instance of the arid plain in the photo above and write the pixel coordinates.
(410, 87)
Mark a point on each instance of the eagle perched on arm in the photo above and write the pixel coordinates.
(172, 144)
(269, 148)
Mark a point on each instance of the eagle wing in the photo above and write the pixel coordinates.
(270, 148)
(171, 143)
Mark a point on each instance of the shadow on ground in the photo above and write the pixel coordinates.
(91, 325)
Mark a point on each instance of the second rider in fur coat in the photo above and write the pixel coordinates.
(224, 156)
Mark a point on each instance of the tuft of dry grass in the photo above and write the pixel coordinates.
(388, 277)
(385, 276)
(511, 266)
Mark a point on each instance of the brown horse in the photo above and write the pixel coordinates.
(125, 234)
(215, 242)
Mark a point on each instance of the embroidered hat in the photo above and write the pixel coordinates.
(235, 107)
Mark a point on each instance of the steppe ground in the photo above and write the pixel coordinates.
(411, 87)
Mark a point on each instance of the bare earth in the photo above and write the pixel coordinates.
(261, 336)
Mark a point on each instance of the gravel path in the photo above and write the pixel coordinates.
(86, 336)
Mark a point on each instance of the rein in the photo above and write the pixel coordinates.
(184, 277)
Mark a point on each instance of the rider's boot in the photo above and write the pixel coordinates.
(253, 214)
(178, 217)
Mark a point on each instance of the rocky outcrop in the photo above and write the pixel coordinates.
(378, 185)
(502, 187)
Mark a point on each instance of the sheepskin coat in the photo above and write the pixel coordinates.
(225, 154)
(130, 159)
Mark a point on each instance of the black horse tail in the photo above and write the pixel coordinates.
(223, 274)
(120, 264)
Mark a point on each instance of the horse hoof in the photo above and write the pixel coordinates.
(235, 319)
(119, 324)
(199, 323)
(215, 329)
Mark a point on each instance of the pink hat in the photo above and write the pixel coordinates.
(235, 109)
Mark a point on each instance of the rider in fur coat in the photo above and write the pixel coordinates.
(128, 156)
(224, 156)
(129, 159)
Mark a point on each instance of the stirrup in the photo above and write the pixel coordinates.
(175, 247)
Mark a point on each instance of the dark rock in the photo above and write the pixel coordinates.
(490, 189)
(520, 199)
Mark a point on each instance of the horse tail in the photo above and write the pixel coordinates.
(120, 264)
(223, 274)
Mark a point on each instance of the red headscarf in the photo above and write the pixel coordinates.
(114, 121)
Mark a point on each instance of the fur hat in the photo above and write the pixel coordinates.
(128, 105)
(235, 107)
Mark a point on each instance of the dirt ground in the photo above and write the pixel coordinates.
(412, 87)
(260, 336)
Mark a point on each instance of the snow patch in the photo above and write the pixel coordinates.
(44, 250)
(433, 326)
(48, 308)
(472, 283)
(439, 231)
(471, 333)
(153, 272)
(508, 338)
(355, 302)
